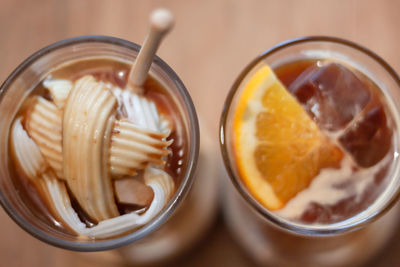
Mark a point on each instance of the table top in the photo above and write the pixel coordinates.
(211, 43)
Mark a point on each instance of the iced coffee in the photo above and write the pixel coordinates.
(88, 163)
(102, 160)
(311, 140)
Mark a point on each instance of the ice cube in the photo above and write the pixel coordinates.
(319, 213)
(132, 191)
(332, 94)
(368, 139)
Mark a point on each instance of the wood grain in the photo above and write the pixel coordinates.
(211, 43)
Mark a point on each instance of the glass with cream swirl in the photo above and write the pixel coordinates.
(92, 164)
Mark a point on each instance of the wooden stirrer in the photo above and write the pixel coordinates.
(161, 22)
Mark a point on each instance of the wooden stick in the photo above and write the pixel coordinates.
(161, 22)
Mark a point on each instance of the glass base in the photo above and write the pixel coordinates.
(270, 246)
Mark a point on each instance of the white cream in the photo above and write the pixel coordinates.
(324, 191)
(140, 112)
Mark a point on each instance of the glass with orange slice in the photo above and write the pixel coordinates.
(310, 139)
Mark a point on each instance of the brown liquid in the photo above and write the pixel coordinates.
(115, 72)
(366, 137)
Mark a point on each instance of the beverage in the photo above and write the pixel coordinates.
(167, 155)
(68, 115)
(310, 138)
(363, 130)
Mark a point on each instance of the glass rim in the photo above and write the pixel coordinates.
(181, 192)
(246, 195)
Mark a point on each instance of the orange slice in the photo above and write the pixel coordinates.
(278, 147)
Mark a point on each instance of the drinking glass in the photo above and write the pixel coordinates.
(272, 240)
(24, 79)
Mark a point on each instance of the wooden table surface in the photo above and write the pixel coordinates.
(211, 43)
